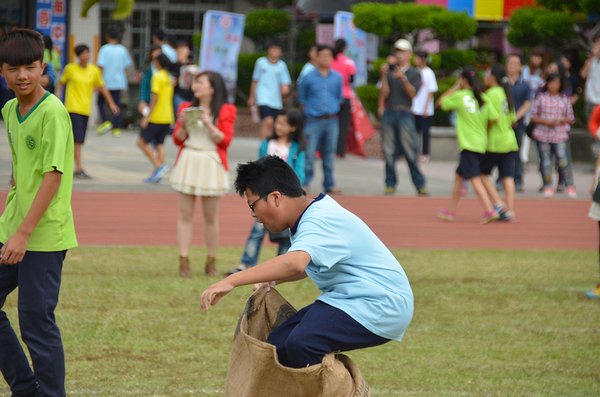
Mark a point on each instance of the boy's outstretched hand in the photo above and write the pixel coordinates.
(219, 290)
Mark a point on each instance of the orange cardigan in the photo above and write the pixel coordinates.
(225, 124)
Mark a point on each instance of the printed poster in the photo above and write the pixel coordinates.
(356, 40)
(51, 19)
(222, 34)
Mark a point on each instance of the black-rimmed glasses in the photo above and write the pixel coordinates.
(251, 205)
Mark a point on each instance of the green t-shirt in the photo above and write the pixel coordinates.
(501, 138)
(40, 142)
(471, 120)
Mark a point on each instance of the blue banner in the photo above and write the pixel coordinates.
(51, 20)
(356, 40)
(222, 34)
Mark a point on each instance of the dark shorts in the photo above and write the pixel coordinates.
(266, 111)
(155, 133)
(468, 167)
(79, 123)
(504, 161)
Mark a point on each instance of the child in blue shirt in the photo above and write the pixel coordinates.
(365, 300)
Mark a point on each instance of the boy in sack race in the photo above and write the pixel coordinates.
(365, 300)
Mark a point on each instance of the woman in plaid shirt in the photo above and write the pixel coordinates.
(553, 115)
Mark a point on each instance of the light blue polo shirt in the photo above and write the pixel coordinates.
(270, 77)
(114, 58)
(353, 269)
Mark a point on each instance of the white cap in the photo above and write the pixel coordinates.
(403, 44)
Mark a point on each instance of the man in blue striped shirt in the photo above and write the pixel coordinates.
(320, 94)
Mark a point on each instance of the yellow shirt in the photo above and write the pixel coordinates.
(162, 86)
(80, 83)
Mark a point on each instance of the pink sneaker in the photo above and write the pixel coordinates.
(548, 191)
(571, 192)
(463, 191)
(489, 217)
(445, 213)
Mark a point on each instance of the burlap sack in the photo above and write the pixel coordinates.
(254, 370)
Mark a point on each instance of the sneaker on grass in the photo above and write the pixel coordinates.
(595, 293)
(104, 127)
(238, 269)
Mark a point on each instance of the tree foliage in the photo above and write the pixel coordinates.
(264, 23)
(453, 25)
(552, 23)
(124, 8)
(401, 19)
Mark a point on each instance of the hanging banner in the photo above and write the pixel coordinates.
(222, 34)
(51, 19)
(360, 129)
(356, 41)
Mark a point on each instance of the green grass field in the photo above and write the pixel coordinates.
(487, 323)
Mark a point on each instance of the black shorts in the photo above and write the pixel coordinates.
(504, 161)
(155, 133)
(266, 111)
(468, 167)
(79, 123)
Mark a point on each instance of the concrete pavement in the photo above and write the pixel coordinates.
(116, 164)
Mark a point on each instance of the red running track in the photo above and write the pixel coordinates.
(146, 219)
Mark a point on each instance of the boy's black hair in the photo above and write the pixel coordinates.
(159, 33)
(313, 45)
(164, 61)
(266, 175)
(81, 48)
(421, 54)
(21, 47)
(275, 43)
(515, 55)
(113, 33)
(324, 47)
(295, 118)
(470, 74)
(182, 43)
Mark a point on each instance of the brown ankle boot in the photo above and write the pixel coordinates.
(184, 267)
(210, 269)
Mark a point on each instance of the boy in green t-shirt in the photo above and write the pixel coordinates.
(36, 228)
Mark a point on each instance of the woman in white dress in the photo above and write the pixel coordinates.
(204, 131)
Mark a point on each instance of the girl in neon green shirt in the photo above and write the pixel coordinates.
(502, 147)
(473, 115)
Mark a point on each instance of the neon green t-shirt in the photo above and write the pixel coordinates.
(55, 60)
(40, 142)
(161, 85)
(501, 138)
(471, 120)
(80, 83)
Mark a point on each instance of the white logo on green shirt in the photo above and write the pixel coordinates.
(469, 104)
(11, 140)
